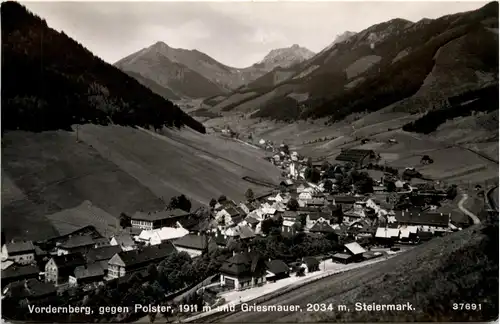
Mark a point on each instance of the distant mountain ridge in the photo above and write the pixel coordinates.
(193, 74)
(49, 81)
(408, 66)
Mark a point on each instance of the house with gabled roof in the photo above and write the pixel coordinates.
(124, 241)
(322, 228)
(30, 290)
(251, 221)
(291, 216)
(19, 252)
(60, 267)
(87, 274)
(243, 270)
(193, 244)
(426, 221)
(127, 262)
(160, 235)
(76, 244)
(355, 250)
(357, 157)
(157, 219)
(247, 207)
(19, 272)
(276, 270)
(318, 217)
(315, 202)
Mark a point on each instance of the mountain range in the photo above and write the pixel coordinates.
(193, 74)
(406, 66)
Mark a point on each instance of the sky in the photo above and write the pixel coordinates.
(237, 34)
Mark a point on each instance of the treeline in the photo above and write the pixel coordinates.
(482, 100)
(280, 108)
(398, 81)
(50, 81)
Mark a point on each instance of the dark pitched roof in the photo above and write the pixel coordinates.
(241, 264)
(246, 232)
(353, 155)
(240, 211)
(192, 241)
(89, 271)
(322, 227)
(316, 202)
(159, 215)
(103, 253)
(219, 238)
(290, 214)
(237, 219)
(147, 254)
(78, 241)
(311, 262)
(422, 218)
(20, 247)
(189, 223)
(14, 271)
(233, 212)
(345, 199)
(252, 220)
(277, 267)
(69, 261)
(318, 214)
(124, 239)
(31, 288)
(250, 206)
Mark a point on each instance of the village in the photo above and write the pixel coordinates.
(323, 217)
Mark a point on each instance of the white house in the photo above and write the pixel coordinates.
(158, 236)
(262, 141)
(305, 195)
(19, 252)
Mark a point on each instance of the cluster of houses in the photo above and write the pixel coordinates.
(86, 258)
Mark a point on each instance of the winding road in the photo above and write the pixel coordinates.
(474, 218)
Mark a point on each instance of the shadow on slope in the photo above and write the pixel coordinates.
(55, 172)
(458, 268)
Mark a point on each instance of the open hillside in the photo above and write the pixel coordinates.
(52, 167)
(398, 65)
(118, 169)
(458, 268)
(193, 74)
(49, 81)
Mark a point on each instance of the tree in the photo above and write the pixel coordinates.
(152, 272)
(266, 225)
(325, 166)
(222, 199)
(286, 149)
(125, 221)
(309, 162)
(302, 219)
(391, 186)
(212, 203)
(249, 194)
(180, 202)
(452, 192)
(328, 185)
(298, 227)
(293, 204)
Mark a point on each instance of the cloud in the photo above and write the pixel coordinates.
(234, 33)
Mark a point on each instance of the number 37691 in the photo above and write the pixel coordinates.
(467, 306)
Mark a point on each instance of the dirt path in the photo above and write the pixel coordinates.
(474, 218)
